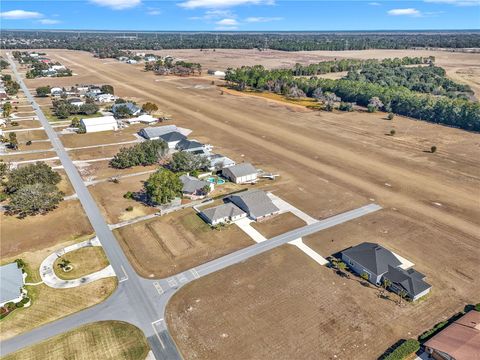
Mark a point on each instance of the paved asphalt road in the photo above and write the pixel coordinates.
(140, 301)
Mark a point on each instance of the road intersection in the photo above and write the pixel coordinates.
(142, 302)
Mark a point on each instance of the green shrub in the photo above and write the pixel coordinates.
(433, 330)
(401, 352)
(130, 208)
(10, 306)
(28, 143)
(19, 305)
(477, 307)
(128, 195)
(390, 116)
(25, 300)
(14, 123)
(3, 196)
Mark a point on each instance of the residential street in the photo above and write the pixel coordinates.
(137, 300)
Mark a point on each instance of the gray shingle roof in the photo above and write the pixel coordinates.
(132, 107)
(155, 132)
(188, 144)
(410, 280)
(11, 281)
(227, 210)
(256, 203)
(372, 257)
(242, 169)
(192, 184)
(172, 136)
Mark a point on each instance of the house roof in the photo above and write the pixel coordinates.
(227, 210)
(373, 257)
(11, 281)
(461, 339)
(73, 100)
(410, 280)
(130, 106)
(186, 144)
(172, 136)
(102, 120)
(154, 132)
(192, 184)
(217, 159)
(255, 202)
(242, 169)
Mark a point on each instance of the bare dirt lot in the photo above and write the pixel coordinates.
(328, 163)
(13, 157)
(278, 225)
(38, 232)
(176, 242)
(101, 170)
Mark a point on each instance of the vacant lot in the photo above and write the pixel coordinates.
(26, 157)
(278, 224)
(24, 136)
(96, 152)
(101, 170)
(84, 261)
(99, 138)
(49, 304)
(176, 242)
(40, 145)
(111, 340)
(24, 124)
(109, 197)
(66, 222)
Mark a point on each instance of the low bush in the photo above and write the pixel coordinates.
(477, 307)
(427, 334)
(14, 123)
(128, 195)
(25, 300)
(408, 347)
(19, 305)
(28, 143)
(390, 116)
(130, 208)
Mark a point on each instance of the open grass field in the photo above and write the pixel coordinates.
(170, 244)
(41, 145)
(109, 197)
(98, 138)
(84, 261)
(24, 124)
(328, 163)
(101, 170)
(277, 225)
(49, 304)
(112, 340)
(12, 157)
(96, 152)
(24, 136)
(33, 233)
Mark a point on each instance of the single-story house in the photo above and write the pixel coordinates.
(172, 138)
(132, 108)
(11, 283)
(145, 119)
(189, 145)
(216, 73)
(380, 264)
(255, 203)
(240, 173)
(58, 67)
(49, 72)
(105, 98)
(95, 90)
(76, 101)
(222, 214)
(56, 91)
(458, 341)
(150, 59)
(153, 133)
(131, 61)
(194, 187)
(218, 162)
(96, 124)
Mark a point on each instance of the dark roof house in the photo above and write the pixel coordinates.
(172, 136)
(255, 203)
(410, 281)
(192, 185)
(189, 145)
(133, 109)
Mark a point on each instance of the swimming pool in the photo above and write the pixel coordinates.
(217, 181)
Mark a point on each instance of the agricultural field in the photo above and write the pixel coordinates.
(102, 340)
(172, 243)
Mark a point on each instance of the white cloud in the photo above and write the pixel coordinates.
(49, 21)
(407, 12)
(456, 2)
(20, 15)
(152, 11)
(227, 22)
(260, 19)
(215, 4)
(374, 4)
(117, 4)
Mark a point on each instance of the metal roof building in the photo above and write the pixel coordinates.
(11, 283)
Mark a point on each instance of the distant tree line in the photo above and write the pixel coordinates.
(397, 99)
(167, 66)
(110, 43)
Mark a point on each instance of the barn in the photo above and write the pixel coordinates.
(103, 123)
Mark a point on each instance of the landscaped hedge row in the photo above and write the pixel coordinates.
(433, 330)
(410, 346)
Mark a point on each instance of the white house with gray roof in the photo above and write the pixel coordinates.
(218, 162)
(172, 138)
(380, 263)
(255, 203)
(153, 133)
(241, 173)
(11, 283)
(223, 214)
(194, 187)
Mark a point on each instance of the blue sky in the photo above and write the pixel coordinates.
(240, 15)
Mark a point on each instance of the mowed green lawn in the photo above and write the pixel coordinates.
(102, 340)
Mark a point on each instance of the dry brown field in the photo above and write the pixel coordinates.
(101, 170)
(107, 340)
(176, 242)
(24, 124)
(12, 157)
(24, 136)
(328, 163)
(42, 145)
(278, 225)
(98, 138)
(112, 204)
(38, 232)
(96, 152)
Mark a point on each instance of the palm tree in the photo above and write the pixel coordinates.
(402, 294)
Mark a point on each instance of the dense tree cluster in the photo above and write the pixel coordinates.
(43, 91)
(460, 113)
(168, 67)
(111, 44)
(184, 161)
(425, 79)
(163, 186)
(145, 153)
(37, 70)
(3, 63)
(63, 109)
(32, 189)
(11, 86)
